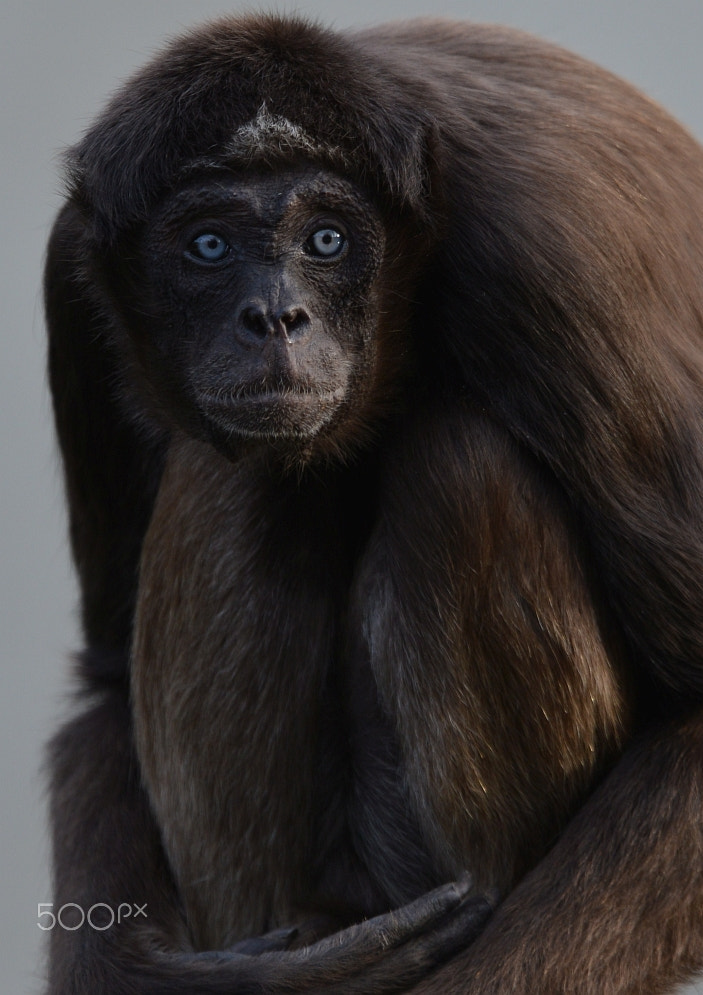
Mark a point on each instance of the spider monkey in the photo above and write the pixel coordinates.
(377, 366)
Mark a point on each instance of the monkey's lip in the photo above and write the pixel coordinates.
(224, 401)
(272, 412)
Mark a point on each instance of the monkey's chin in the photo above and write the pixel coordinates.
(272, 416)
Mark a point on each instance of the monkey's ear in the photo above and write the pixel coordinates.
(411, 167)
(111, 463)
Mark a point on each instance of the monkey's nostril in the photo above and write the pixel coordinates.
(256, 321)
(293, 322)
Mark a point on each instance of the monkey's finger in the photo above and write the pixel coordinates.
(277, 939)
(405, 966)
(393, 928)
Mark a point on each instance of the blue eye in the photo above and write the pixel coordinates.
(209, 247)
(326, 242)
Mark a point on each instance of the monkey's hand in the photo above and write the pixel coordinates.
(388, 953)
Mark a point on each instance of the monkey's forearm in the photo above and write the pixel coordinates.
(628, 865)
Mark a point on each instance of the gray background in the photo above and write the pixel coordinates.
(58, 60)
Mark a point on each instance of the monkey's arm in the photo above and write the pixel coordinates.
(112, 460)
(617, 905)
(107, 851)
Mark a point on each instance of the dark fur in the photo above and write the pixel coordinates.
(458, 627)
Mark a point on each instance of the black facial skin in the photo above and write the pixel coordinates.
(272, 341)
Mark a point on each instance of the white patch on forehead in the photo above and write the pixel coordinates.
(269, 135)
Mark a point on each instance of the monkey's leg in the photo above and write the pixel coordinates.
(107, 856)
(616, 907)
(499, 663)
(496, 663)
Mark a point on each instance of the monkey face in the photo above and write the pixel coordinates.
(255, 303)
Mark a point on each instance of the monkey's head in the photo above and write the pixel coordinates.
(261, 306)
(257, 226)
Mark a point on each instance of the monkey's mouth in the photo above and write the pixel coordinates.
(271, 410)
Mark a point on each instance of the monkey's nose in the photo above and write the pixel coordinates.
(256, 324)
